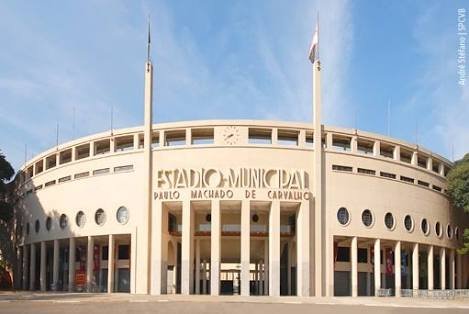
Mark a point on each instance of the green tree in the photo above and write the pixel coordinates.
(8, 256)
(458, 189)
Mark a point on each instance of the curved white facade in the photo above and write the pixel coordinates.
(233, 210)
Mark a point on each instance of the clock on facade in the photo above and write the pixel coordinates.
(231, 135)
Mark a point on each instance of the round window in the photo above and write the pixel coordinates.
(100, 217)
(408, 223)
(389, 220)
(63, 221)
(456, 233)
(80, 219)
(438, 229)
(449, 231)
(424, 226)
(367, 217)
(27, 228)
(48, 223)
(343, 216)
(37, 226)
(122, 215)
(255, 218)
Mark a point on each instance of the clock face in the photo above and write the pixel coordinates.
(231, 135)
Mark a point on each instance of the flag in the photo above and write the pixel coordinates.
(314, 49)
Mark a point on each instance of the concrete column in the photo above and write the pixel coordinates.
(354, 144)
(289, 264)
(441, 169)
(303, 250)
(25, 267)
(55, 265)
(265, 272)
(443, 268)
(274, 136)
(329, 265)
(452, 269)
(354, 264)
(302, 139)
(42, 270)
(429, 163)
(32, 265)
(197, 266)
(415, 266)
(136, 141)
(328, 140)
(71, 265)
(274, 249)
(376, 148)
(397, 153)
(158, 280)
(377, 265)
(245, 247)
(188, 136)
(430, 267)
(89, 263)
(112, 144)
(414, 158)
(397, 268)
(73, 157)
(215, 248)
(186, 260)
(110, 264)
(459, 272)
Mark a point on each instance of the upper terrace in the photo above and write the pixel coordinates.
(212, 133)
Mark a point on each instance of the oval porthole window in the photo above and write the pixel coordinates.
(424, 226)
(100, 217)
(48, 223)
(80, 219)
(63, 221)
(37, 226)
(122, 215)
(408, 223)
(456, 233)
(389, 221)
(449, 231)
(343, 216)
(367, 217)
(438, 229)
(255, 218)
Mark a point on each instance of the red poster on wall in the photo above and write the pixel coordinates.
(80, 278)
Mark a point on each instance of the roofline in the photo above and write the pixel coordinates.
(239, 122)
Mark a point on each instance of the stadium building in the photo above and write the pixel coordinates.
(239, 207)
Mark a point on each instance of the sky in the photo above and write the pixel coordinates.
(66, 61)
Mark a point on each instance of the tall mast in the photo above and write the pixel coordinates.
(319, 233)
(145, 266)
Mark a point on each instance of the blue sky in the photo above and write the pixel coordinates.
(230, 59)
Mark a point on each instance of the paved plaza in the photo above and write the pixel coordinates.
(38, 303)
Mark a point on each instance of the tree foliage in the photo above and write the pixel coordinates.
(458, 184)
(8, 256)
(6, 172)
(458, 189)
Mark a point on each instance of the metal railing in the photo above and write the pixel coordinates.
(448, 294)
